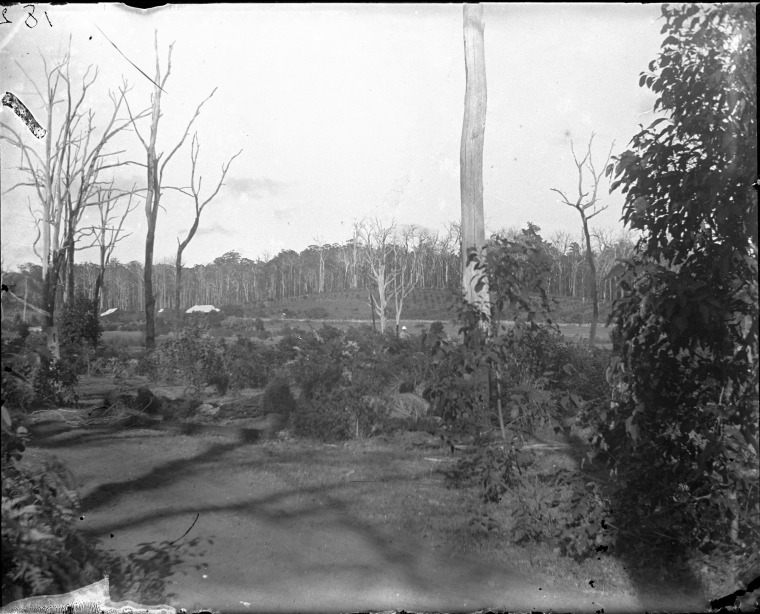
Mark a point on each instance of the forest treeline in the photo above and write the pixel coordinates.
(432, 261)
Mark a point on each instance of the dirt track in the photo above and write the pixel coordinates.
(290, 526)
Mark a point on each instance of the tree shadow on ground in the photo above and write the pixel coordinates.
(657, 564)
(142, 575)
(270, 509)
(286, 508)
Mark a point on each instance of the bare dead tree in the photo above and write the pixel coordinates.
(402, 269)
(376, 239)
(200, 204)
(68, 174)
(155, 166)
(588, 201)
(471, 155)
(109, 231)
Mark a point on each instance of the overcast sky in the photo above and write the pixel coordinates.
(343, 112)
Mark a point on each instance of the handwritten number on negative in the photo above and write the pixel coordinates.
(30, 15)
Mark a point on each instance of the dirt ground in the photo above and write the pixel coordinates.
(293, 525)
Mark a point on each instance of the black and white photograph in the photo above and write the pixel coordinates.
(377, 307)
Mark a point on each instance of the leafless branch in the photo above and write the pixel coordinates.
(187, 130)
(586, 163)
(133, 119)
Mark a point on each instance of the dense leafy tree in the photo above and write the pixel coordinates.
(79, 323)
(685, 439)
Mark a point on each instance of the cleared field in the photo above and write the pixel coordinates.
(132, 339)
(578, 332)
(421, 304)
(123, 338)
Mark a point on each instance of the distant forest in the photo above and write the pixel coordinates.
(433, 262)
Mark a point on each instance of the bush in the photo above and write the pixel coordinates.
(31, 381)
(77, 358)
(437, 329)
(233, 310)
(190, 358)
(42, 552)
(544, 381)
(79, 322)
(248, 364)
(278, 398)
(325, 417)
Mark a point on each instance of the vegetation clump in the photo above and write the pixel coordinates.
(79, 322)
(278, 398)
(683, 440)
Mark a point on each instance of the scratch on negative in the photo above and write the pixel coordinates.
(131, 62)
(18, 107)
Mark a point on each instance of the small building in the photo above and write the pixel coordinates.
(202, 309)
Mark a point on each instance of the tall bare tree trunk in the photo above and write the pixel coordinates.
(471, 152)
(51, 286)
(178, 284)
(151, 213)
(594, 289)
(70, 281)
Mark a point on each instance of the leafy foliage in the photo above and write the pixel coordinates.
(345, 378)
(683, 441)
(191, 358)
(278, 398)
(32, 378)
(540, 382)
(518, 274)
(249, 364)
(79, 322)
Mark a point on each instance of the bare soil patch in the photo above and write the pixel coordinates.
(299, 526)
(277, 524)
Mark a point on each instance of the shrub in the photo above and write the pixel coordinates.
(278, 398)
(21, 329)
(324, 417)
(541, 377)
(249, 365)
(234, 323)
(77, 358)
(291, 336)
(344, 378)
(79, 322)
(42, 552)
(147, 364)
(190, 358)
(565, 511)
(233, 310)
(34, 381)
